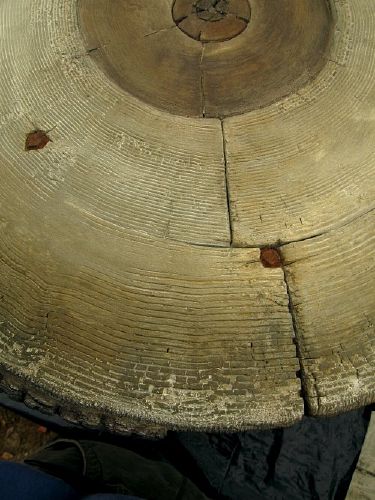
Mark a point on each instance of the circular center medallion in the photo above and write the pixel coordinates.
(208, 58)
(211, 20)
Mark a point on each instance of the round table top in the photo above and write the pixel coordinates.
(187, 210)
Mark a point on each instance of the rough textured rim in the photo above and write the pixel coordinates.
(199, 216)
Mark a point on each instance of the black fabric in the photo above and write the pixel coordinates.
(92, 467)
(313, 460)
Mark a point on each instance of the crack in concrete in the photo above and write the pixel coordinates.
(296, 339)
(203, 95)
(324, 233)
(227, 187)
(365, 471)
(219, 246)
(279, 244)
(160, 30)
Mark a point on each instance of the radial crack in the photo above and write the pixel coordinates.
(203, 95)
(296, 339)
(160, 30)
(227, 187)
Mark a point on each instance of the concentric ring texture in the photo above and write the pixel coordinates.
(131, 289)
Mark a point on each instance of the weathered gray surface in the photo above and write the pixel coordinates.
(123, 296)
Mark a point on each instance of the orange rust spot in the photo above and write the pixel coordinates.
(270, 257)
(37, 139)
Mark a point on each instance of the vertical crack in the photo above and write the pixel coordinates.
(203, 95)
(227, 187)
(296, 341)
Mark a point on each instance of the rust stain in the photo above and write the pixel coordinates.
(270, 257)
(37, 139)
